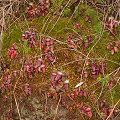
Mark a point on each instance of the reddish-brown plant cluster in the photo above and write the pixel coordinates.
(30, 36)
(78, 25)
(13, 51)
(106, 112)
(113, 49)
(86, 110)
(6, 87)
(47, 46)
(6, 83)
(59, 81)
(27, 90)
(111, 23)
(71, 43)
(40, 66)
(97, 69)
(82, 93)
(39, 10)
(78, 43)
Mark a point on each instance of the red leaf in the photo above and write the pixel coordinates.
(89, 112)
(46, 50)
(15, 46)
(78, 25)
(14, 73)
(9, 52)
(79, 69)
(8, 86)
(117, 43)
(16, 55)
(115, 112)
(81, 92)
(12, 56)
(116, 49)
(94, 74)
(110, 110)
(85, 92)
(112, 50)
(3, 84)
(72, 95)
(36, 68)
(109, 46)
(30, 90)
(26, 86)
(51, 42)
(84, 107)
(86, 43)
(87, 17)
(23, 37)
(9, 79)
(76, 92)
(89, 38)
(104, 113)
(43, 13)
(58, 76)
(42, 46)
(53, 77)
(86, 73)
(39, 62)
(93, 66)
(111, 26)
(116, 24)
(57, 88)
(48, 94)
(104, 64)
(43, 68)
(78, 104)
(87, 62)
(101, 103)
(31, 17)
(5, 99)
(111, 83)
(66, 84)
(41, 2)
(29, 75)
(10, 113)
(27, 68)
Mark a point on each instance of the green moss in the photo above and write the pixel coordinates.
(115, 94)
(14, 36)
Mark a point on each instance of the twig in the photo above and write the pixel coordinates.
(57, 106)
(100, 94)
(73, 13)
(113, 109)
(17, 106)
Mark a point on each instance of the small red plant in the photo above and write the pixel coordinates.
(12, 52)
(39, 10)
(76, 92)
(87, 18)
(89, 112)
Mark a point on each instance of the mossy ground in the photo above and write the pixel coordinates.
(92, 27)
